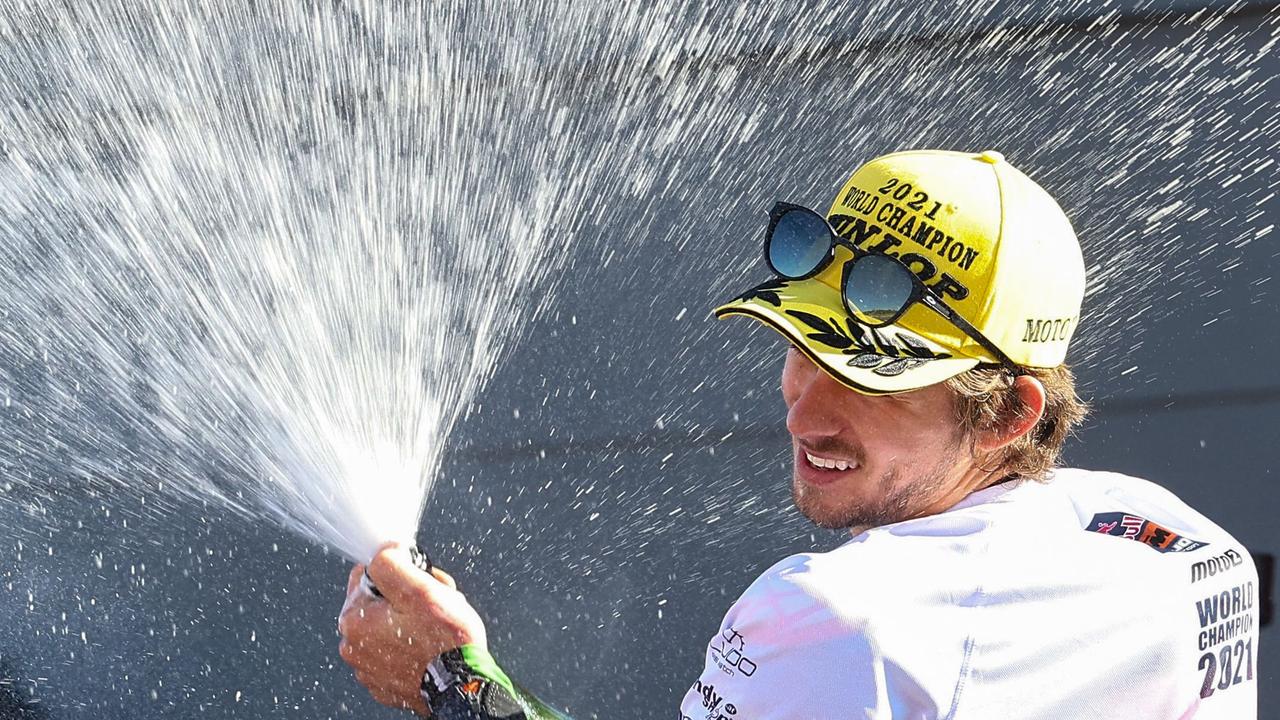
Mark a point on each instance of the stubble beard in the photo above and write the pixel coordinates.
(895, 502)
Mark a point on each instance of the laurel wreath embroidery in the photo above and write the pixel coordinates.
(766, 291)
(882, 353)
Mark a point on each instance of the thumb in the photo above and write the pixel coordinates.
(445, 578)
(397, 578)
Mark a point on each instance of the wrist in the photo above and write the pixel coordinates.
(466, 682)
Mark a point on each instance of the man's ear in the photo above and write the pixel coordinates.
(1031, 402)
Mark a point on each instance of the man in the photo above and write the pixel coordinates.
(929, 314)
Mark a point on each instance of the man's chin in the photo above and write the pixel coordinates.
(810, 504)
(827, 522)
(852, 516)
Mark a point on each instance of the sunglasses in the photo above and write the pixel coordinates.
(876, 289)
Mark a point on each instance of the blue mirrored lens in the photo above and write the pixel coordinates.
(800, 242)
(876, 288)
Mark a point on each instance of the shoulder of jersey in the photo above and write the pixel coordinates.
(1001, 569)
(1080, 527)
(886, 571)
(1100, 498)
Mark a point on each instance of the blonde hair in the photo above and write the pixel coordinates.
(985, 400)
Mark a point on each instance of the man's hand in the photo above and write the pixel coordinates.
(389, 642)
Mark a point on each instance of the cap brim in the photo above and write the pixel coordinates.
(875, 361)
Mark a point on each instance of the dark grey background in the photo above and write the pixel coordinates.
(624, 476)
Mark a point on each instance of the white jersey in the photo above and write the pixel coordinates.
(1095, 596)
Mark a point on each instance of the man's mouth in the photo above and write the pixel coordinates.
(826, 463)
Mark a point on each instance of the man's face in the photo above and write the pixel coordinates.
(896, 456)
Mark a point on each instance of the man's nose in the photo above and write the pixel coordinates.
(814, 412)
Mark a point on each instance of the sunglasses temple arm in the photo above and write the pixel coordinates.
(955, 319)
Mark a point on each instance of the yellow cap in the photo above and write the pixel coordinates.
(985, 237)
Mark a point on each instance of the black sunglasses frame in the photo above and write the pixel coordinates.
(920, 293)
(781, 208)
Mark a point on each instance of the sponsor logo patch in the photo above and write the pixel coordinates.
(1147, 532)
(729, 652)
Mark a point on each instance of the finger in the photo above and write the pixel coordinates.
(385, 693)
(352, 613)
(358, 613)
(444, 577)
(397, 698)
(353, 652)
(353, 591)
(373, 664)
(370, 682)
(350, 654)
(419, 705)
(386, 698)
(399, 580)
(353, 580)
(377, 668)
